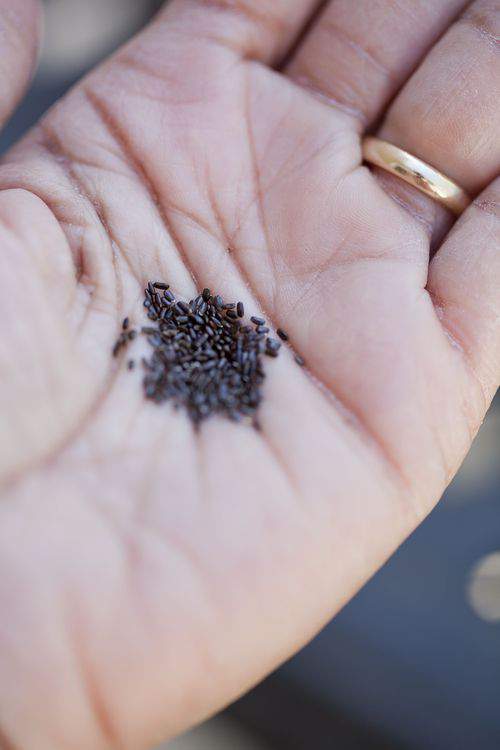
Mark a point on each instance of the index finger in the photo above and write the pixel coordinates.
(260, 29)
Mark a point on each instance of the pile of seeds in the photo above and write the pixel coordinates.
(206, 358)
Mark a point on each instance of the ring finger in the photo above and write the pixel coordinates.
(448, 112)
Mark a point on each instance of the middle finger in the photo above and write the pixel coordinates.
(358, 54)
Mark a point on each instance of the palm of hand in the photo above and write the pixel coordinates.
(145, 544)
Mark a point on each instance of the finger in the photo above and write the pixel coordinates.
(19, 38)
(448, 112)
(259, 29)
(358, 54)
(464, 281)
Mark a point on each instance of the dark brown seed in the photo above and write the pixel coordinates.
(160, 285)
(125, 324)
(130, 364)
(273, 344)
(203, 358)
(132, 335)
(282, 334)
(300, 360)
(257, 321)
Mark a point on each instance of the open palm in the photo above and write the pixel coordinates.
(149, 573)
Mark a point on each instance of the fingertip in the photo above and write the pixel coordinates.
(21, 26)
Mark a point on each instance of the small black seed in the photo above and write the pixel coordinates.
(125, 324)
(130, 364)
(203, 358)
(273, 344)
(282, 334)
(257, 321)
(300, 360)
(160, 285)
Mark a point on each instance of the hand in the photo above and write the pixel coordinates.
(149, 574)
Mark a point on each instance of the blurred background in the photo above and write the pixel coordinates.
(413, 662)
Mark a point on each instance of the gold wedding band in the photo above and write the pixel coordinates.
(416, 172)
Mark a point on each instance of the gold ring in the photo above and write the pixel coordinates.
(416, 172)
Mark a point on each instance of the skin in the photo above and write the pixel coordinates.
(148, 574)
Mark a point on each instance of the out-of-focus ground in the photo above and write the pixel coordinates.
(218, 734)
(414, 661)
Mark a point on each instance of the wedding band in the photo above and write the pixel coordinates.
(416, 172)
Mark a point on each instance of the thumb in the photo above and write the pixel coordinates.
(20, 31)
